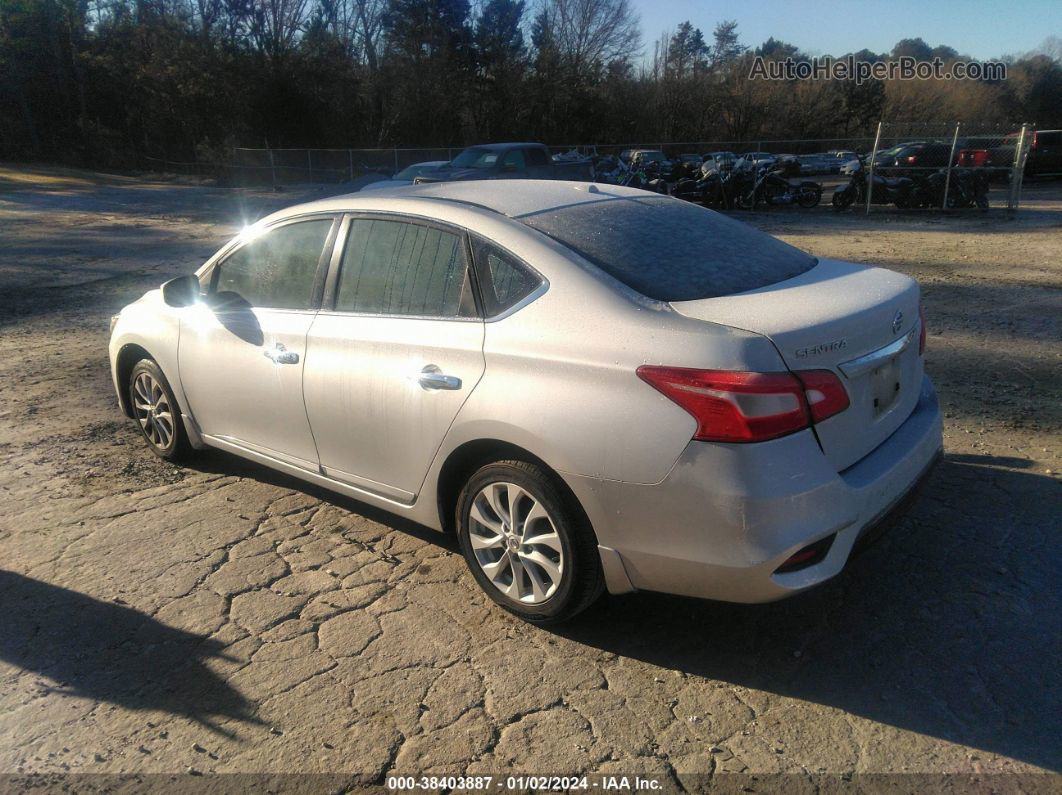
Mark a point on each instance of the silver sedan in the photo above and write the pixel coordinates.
(594, 387)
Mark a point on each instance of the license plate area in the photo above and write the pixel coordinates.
(885, 386)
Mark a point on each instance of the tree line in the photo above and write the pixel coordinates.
(103, 82)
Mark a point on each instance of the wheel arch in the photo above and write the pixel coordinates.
(124, 362)
(466, 458)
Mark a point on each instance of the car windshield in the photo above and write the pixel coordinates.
(671, 250)
(476, 157)
(411, 172)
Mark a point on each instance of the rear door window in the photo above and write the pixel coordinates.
(515, 159)
(671, 250)
(404, 268)
(536, 157)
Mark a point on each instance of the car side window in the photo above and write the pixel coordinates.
(504, 280)
(404, 268)
(536, 157)
(515, 158)
(276, 270)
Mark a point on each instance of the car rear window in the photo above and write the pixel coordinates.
(671, 250)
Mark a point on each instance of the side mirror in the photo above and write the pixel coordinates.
(182, 291)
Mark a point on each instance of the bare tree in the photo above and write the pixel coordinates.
(590, 34)
(276, 25)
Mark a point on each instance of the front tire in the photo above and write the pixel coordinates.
(156, 411)
(527, 542)
(842, 199)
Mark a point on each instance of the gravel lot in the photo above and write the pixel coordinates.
(227, 618)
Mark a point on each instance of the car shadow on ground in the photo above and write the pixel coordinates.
(949, 626)
(217, 462)
(104, 651)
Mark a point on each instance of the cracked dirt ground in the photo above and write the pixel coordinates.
(222, 617)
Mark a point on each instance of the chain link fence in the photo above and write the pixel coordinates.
(938, 165)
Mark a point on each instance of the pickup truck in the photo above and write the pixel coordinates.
(1045, 153)
(509, 161)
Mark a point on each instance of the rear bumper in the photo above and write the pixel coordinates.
(727, 516)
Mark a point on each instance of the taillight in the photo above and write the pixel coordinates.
(732, 406)
(912, 158)
(921, 330)
(825, 393)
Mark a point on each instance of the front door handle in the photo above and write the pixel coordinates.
(278, 354)
(433, 378)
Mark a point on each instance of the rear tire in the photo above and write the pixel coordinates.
(527, 542)
(809, 195)
(156, 411)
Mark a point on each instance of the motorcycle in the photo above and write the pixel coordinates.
(772, 185)
(619, 173)
(967, 188)
(886, 190)
(710, 189)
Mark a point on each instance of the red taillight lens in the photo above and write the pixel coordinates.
(825, 393)
(734, 406)
(921, 330)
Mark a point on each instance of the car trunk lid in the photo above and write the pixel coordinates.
(860, 322)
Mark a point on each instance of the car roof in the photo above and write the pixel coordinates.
(505, 146)
(509, 197)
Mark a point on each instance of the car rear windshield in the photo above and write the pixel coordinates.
(671, 250)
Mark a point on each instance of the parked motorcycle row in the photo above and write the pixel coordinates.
(965, 188)
(748, 182)
(744, 186)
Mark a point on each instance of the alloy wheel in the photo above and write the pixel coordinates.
(153, 410)
(515, 542)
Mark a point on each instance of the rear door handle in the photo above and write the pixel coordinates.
(278, 354)
(431, 377)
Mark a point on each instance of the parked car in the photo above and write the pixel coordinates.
(849, 168)
(754, 160)
(887, 156)
(925, 156)
(976, 151)
(724, 161)
(817, 164)
(1045, 153)
(594, 387)
(407, 175)
(508, 161)
(653, 160)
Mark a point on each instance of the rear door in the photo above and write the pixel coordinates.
(539, 164)
(514, 164)
(394, 353)
(242, 351)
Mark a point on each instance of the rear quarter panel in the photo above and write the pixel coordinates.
(561, 381)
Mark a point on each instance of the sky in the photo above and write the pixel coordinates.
(981, 29)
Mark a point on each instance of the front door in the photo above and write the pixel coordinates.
(242, 351)
(393, 355)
